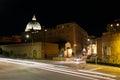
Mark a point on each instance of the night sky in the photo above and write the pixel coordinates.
(91, 16)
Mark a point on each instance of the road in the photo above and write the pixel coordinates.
(12, 69)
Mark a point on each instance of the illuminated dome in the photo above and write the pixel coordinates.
(33, 25)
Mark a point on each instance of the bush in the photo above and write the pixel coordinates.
(103, 63)
(6, 54)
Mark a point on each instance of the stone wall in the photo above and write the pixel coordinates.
(35, 50)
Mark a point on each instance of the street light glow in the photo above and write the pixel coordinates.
(27, 36)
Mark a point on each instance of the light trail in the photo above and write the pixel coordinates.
(86, 71)
(54, 68)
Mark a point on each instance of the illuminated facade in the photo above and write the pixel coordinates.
(92, 46)
(109, 44)
(61, 34)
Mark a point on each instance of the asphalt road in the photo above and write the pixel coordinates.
(9, 71)
(27, 70)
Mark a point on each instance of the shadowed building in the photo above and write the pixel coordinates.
(10, 39)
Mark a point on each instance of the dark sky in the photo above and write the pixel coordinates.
(91, 16)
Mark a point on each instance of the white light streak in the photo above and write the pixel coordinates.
(54, 68)
(86, 71)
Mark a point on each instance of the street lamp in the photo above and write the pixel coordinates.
(29, 38)
(26, 38)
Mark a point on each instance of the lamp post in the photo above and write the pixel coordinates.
(29, 38)
(26, 38)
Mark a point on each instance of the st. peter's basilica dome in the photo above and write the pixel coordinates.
(33, 25)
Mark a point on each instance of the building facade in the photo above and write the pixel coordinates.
(67, 37)
(92, 46)
(36, 50)
(60, 34)
(109, 43)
